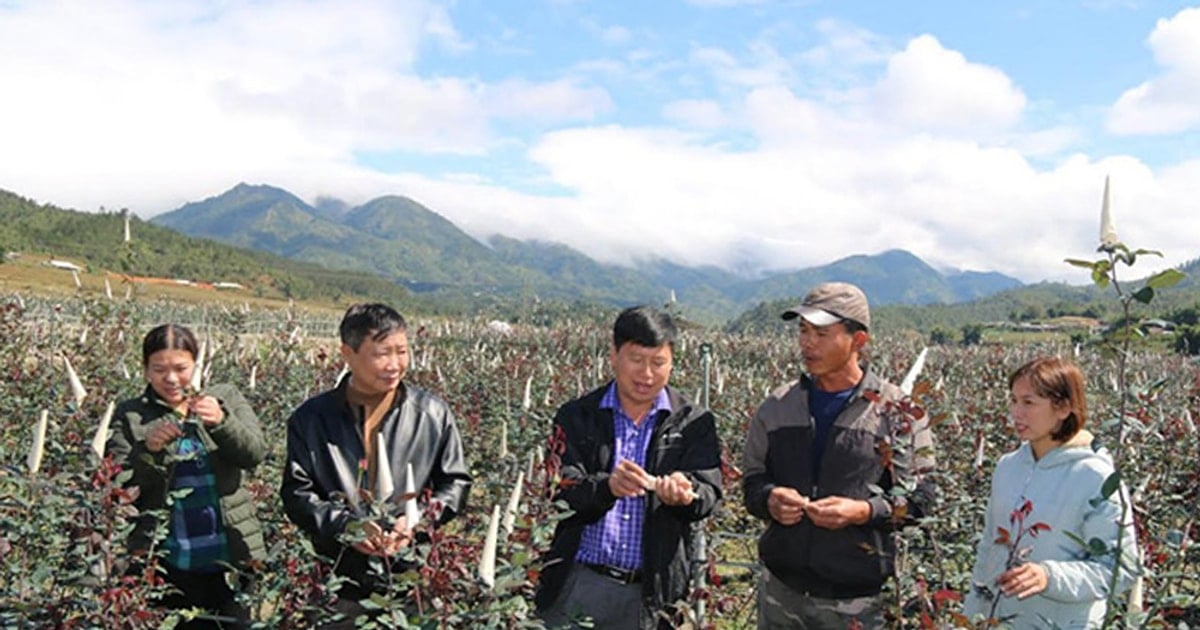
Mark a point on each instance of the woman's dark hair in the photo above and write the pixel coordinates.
(169, 337)
(644, 325)
(376, 321)
(1062, 382)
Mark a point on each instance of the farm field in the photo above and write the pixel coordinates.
(61, 527)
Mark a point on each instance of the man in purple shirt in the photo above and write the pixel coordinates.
(640, 468)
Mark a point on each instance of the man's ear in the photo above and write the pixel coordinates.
(347, 351)
(861, 337)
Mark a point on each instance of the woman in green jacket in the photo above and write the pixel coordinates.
(188, 452)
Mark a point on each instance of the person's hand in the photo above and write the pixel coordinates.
(384, 543)
(629, 480)
(838, 512)
(786, 505)
(207, 409)
(161, 434)
(1024, 581)
(674, 489)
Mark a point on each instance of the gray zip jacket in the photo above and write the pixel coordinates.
(854, 561)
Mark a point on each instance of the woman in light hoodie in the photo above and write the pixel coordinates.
(1039, 563)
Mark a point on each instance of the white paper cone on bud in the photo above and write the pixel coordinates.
(1137, 596)
(526, 401)
(487, 559)
(77, 390)
(412, 514)
(75, 277)
(1108, 232)
(503, 439)
(385, 485)
(910, 379)
(341, 375)
(39, 443)
(345, 476)
(198, 371)
(253, 384)
(107, 289)
(101, 437)
(83, 334)
(514, 505)
(978, 463)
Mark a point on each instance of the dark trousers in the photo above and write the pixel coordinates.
(591, 600)
(209, 592)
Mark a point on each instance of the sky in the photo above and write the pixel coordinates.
(754, 135)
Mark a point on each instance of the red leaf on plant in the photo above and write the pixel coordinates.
(946, 595)
(1038, 527)
(1004, 538)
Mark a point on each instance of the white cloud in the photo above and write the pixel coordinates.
(930, 87)
(696, 113)
(616, 35)
(844, 46)
(779, 153)
(725, 3)
(1170, 102)
(554, 101)
(765, 67)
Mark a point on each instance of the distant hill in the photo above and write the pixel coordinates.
(405, 241)
(1029, 303)
(892, 277)
(155, 251)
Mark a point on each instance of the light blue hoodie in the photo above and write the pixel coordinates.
(1060, 487)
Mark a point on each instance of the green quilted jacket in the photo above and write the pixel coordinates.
(234, 446)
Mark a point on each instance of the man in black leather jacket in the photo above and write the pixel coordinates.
(333, 458)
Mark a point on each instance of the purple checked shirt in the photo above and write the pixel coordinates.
(616, 539)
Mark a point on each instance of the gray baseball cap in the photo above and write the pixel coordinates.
(830, 303)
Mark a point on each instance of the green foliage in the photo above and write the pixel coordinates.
(940, 336)
(1187, 339)
(98, 239)
(972, 334)
(482, 372)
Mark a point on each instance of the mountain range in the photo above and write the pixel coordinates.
(401, 240)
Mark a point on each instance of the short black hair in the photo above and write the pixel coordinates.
(369, 320)
(169, 337)
(644, 325)
(853, 325)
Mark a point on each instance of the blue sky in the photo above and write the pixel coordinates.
(753, 135)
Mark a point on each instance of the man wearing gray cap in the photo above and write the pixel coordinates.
(813, 454)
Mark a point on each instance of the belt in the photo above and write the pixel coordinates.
(624, 576)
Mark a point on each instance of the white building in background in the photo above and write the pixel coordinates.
(64, 265)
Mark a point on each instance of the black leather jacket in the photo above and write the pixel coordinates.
(684, 441)
(325, 445)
